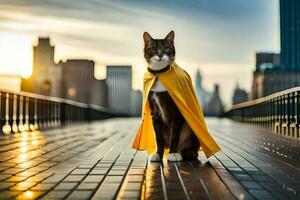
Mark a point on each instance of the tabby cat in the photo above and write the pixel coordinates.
(171, 129)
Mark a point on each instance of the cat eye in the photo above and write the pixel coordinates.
(167, 50)
(152, 49)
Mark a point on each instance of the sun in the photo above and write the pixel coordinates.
(25, 72)
(15, 54)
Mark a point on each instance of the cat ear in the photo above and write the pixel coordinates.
(170, 36)
(147, 37)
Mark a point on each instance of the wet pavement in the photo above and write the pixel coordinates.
(96, 161)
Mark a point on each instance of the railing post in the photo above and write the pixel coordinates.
(31, 113)
(26, 114)
(281, 111)
(62, 113)
(278, 112)
(298, 114)
(15, 113)
(58, 110)
(55, 117)
(21, 114)
(36, 114)
(88, 114)
(49, 114)
(40, 111)
(2, 111)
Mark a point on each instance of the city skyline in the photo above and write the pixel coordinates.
(74, 80)
(222, 51)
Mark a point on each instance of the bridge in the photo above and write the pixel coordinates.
(52, 148)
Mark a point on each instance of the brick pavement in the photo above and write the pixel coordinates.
(95, 161)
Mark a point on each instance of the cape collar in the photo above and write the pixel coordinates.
(158, 71)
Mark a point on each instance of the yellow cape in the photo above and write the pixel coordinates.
(179, 85)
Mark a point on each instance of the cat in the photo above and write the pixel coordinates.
(171, 129)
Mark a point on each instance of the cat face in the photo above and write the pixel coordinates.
(159, 53)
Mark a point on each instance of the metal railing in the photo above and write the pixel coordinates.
(279, 112)
(27, 112)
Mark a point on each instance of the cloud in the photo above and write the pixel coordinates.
(209, 33)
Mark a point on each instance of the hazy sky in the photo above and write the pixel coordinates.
(219, 37)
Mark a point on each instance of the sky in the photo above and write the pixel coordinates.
(217, 37)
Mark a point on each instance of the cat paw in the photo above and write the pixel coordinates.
(173, 157)
(155, 157)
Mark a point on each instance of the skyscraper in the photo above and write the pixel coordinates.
(268, 78)
(267, 60)
(46, 75)
(215, 106)
(203, 95)
(73, 79)
(78, 80)
(239, 95)
(290, 34)
(119, 88)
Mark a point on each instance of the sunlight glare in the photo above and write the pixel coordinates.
(15, 54)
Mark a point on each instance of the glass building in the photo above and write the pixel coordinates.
(290, 34)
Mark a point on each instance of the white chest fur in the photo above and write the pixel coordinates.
(158, 87)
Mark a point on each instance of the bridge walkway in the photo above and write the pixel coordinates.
(96, 161)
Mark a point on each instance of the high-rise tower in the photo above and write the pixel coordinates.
(119, 88)
(45, 77)
(290, 34)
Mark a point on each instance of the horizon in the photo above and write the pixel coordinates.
(223, 51)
